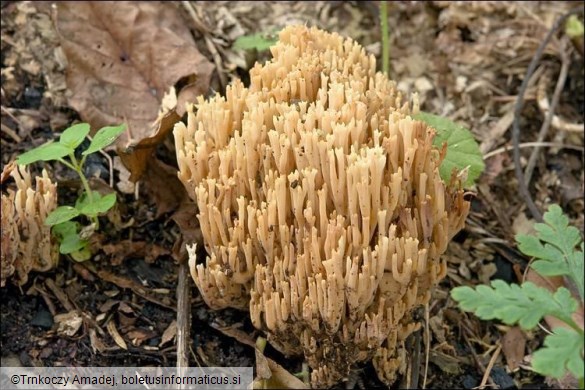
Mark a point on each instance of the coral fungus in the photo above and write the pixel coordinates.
(26, 241)
(320, 204)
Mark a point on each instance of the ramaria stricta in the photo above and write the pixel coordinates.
(320, 204)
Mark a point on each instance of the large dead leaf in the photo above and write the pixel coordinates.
(122, 58)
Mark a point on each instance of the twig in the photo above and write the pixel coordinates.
(518, 111)
(11, 133)
(476, 358)
(183, 316)
(550, 114)
(523, 145)
(60, 295)
(488, 370)
(427, 345)
(199, 25)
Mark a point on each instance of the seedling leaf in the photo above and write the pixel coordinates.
(104, 137)
(64, 229)
(81, 255)
(61, 214)
(258, 41)
(72, 243)
(98, 206)
(46, 152)
(74, 135)
(563, 350)
(462, 149)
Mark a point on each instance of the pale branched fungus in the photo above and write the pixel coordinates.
(26, 241)
(320, 204)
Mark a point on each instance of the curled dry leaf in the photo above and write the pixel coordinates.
(113, 331)
(513, 346)
(169, 333)
(122, 58)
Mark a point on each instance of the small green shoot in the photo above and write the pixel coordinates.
(258, 41)
(558, 251)
(90, 204)
(462, 150)
(573, 27)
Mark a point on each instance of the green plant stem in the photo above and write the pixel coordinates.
(78, 167)
(385, 38)
(67, 164)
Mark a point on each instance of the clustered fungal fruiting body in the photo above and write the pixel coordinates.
(26, 241)
(320, 204)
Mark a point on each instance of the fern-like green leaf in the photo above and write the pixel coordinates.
(462, 149)
(526, 304)
(558, 255)
(562, 351)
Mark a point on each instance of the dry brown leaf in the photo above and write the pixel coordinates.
(122, 249)
(68, 323)
(136, 156)
(163, 185)
(278, 377)
(169, 333)
(186, 218)
(122, 58)
(139, 335)
(111, 327)
(513, 345)
(96, 344)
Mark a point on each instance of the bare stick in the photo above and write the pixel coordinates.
(488, 370)
(518, 111)
(183, 316)
(551, 112)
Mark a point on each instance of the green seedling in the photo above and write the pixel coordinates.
(258, 41)
(72, 237)
(558, 251)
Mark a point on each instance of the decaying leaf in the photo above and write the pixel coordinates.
(136, 156)
(513, 345)
(113, 331)
(169, 333)
(278, 377)
(139, 335)
(126, 248)
(163, 186)
(68, 323)
(122, 58)
(96, 343)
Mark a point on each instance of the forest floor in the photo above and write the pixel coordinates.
(467, 60)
